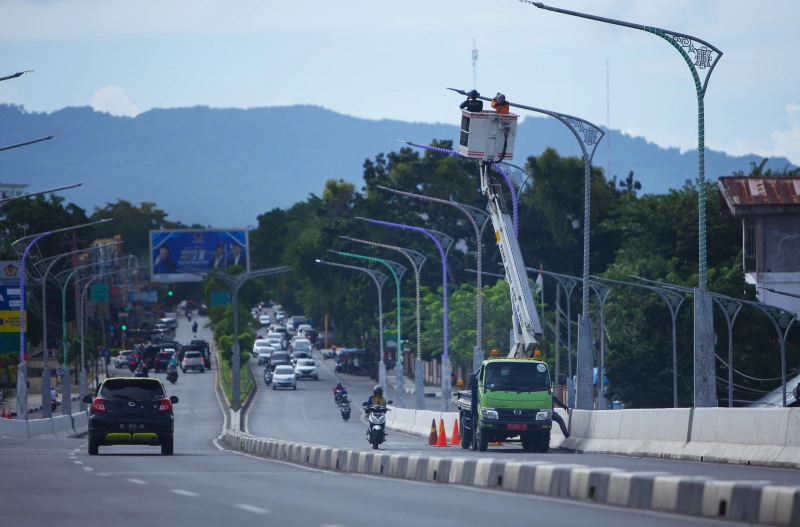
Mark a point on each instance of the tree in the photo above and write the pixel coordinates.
(133, 223)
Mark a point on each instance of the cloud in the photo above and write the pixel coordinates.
(114, 100)
(787, 142)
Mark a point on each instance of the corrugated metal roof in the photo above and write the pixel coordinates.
(754, 195)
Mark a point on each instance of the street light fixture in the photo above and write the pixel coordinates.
(397, 271)
(31, 194)
(416, 260)
(22, 370)
(440, 239)
(9, 147)
(706, 57)
(475, 216)
(46, 410)
(379, 278)
(14, 76)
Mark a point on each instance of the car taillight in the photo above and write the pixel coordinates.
(98, 405)
(165, 405)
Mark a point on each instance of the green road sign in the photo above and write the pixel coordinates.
(220, 298)
(98, 293)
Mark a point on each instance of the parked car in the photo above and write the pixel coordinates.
(284, 377)
(123, 358)
(193, 360)
(306, 368)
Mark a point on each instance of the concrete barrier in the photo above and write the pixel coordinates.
(40, 427)
(14, 428)
(62, 426)
(80, 422)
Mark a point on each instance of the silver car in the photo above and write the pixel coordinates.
(306, 368)
(284, 378)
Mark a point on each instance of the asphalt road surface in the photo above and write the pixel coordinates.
(55, 482)
(310, 415)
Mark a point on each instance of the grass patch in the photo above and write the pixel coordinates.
(246, 383)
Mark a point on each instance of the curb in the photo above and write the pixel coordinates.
(754, 502)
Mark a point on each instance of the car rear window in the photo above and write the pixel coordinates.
(306, 363)
(280, 356)
(284, 370)
(132, 388)
(192, 354)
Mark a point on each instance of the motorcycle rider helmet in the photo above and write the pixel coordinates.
(377, 390)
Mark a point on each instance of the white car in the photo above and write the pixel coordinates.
(192, 360)
(264, 320)
(284, 377)
(263, 353)
(280, 316)
(121, 360)
(306, 368)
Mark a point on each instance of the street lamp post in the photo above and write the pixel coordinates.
(588, 136)
(66, 396)
(22, 371)
(15, 75)
(46, 410)
(235, 283)
(416, 260)
(397, 271)
(706, 57)
(26, 143)
(31, 194)
(475, 216)
(440, 239)
(379, 278)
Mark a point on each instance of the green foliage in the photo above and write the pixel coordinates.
(133, 223)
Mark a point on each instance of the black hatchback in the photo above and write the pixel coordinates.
(131, 411)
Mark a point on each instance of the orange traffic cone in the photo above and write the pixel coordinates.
(3, 415)
(455, 439)
(442, 442)
(433, 439)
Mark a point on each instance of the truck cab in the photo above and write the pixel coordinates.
(510, 398)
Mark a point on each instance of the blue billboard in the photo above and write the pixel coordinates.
(186, 255)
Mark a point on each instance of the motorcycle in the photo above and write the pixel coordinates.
(344, 408)
(132, 366)
(172, 373)
(377, 424)
(53, 405)
(337, 396)
(339, 368)
(267, 375)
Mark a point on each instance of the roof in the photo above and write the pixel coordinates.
(755, 196)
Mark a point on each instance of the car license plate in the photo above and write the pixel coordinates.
(130, 426)
(514, 426)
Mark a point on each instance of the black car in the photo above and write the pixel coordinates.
(131, 411)
(279, 358)
(162, 359)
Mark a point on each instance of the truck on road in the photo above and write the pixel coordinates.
(510, 398)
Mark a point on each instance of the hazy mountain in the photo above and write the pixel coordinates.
(223, 167)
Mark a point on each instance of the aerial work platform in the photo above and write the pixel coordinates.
(487, 135)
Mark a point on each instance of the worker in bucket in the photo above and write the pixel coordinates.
(472, 104)
(500, 104)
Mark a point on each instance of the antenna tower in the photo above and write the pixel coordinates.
(474, 65)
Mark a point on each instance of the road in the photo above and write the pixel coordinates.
(55, 482)
(309, 415)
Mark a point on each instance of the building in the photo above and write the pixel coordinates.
(9, 190)
(769, 209)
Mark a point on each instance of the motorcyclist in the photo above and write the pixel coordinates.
(337, 388)
(53, 396)
(375, 400)
(194, 327)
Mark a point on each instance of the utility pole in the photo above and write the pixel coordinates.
(608, 122)
(474, 65)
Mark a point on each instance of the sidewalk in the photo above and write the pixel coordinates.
(9, 404)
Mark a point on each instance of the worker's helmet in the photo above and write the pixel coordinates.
(500, 95)
(377, 390)
(474, 93)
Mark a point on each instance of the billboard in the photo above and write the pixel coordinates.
(185, 255)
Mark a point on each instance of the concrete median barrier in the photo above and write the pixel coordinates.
(753, 502)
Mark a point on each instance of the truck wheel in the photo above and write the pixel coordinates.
(465, 439)
(481, 439)
(542, 443)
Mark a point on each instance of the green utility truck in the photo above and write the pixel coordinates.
(510, 398)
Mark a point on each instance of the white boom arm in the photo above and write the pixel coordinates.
(521, 298)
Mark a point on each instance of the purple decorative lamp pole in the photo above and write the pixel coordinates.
(435, 237)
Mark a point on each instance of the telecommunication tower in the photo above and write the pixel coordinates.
(474, 65)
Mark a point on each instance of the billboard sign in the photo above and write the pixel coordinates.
(10, 297)
(185, 255)
(9, 272)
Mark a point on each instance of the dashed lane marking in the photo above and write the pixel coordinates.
(78, 462)
(88, 468)
(251, 508)
(185, 493)
(137, 481)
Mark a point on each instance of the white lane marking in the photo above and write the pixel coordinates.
(185, 493)
(88, 468)
(137, 481)
(251, 508)
(331, 525)
(78, 462)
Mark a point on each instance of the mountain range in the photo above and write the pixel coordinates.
(224, 167)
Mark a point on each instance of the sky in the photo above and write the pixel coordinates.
(393, 60)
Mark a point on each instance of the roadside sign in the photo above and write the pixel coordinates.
(10, 297)
(220, 298)
(9, 272)
(98, 293)
(60, 370)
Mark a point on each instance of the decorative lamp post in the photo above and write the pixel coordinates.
(416, 260)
